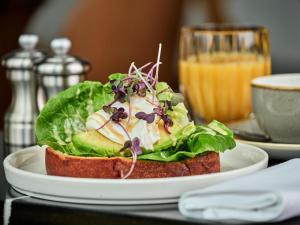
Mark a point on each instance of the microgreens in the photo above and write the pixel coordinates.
(140, 89)
(167, 122)
(168, 105)
(157, 63)
(117, 114)
(161, 111)
(119, 91)
(134, 146)
(144, 116)
(138, 82)
(144, 81)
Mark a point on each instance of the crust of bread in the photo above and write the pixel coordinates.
(60, 164)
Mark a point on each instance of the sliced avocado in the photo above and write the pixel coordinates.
(182, 128)
(93, 140)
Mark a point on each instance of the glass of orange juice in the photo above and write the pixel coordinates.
(216, 65)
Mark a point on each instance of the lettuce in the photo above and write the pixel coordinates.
(65, 114)
(164, 92)
(117, 76)
(215, 137)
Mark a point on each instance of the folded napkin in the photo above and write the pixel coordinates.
(270, 195)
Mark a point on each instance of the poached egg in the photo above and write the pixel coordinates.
(147, 133)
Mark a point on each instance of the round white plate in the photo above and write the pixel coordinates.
(25, 171)
(275, 150)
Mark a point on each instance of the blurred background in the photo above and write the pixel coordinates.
(113, 33)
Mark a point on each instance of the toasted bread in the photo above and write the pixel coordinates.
(60, 164)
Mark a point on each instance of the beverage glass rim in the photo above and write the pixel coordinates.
(224, 27)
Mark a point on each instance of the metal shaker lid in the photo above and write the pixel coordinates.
(61, 63)
(26, 57)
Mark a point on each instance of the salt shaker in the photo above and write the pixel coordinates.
(20, 117)
(59, 71)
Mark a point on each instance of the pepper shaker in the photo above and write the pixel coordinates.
(59, 71)
(20, 117)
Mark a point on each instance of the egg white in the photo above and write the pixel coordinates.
(147, 133)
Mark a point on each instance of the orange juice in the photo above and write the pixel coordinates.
(218, 86)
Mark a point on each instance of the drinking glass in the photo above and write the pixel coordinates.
(216, 65)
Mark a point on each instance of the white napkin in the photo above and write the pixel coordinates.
(270, 195)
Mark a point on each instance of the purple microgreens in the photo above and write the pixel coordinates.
(118, 114)
(150, 78)
(150, 74)
(144, 66)
(130, 68)
(142, 78)
(139, 69)
(149, 117)
(129, 111)
(158, 62)
(135, 148)
(168, 105)
(134, 145)
(120, 92)
(167, 122)
(161, 111)
(140, 89)
(127, 145)
(153, 103)
(134, 159)
(103, 125)
(137, 82)
(130, 91)
(108, 109)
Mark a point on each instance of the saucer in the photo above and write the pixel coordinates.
(281, 151)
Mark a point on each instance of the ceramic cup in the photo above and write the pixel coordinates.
(276, 105)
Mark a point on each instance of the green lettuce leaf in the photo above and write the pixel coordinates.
(164, 92)
(203, 140)
(65, 115)
(117, 76)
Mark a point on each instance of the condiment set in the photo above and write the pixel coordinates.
(35, 78)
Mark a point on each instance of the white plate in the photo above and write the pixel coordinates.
(25, 171)
(275, 150)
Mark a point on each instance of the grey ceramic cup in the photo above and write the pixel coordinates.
(276, 105)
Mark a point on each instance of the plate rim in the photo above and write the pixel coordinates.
(271, 145)
(9, 167)
(96, 201)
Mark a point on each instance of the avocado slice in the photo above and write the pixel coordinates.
(93, 140)
(182, 128)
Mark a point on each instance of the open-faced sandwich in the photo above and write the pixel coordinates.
(131, 127)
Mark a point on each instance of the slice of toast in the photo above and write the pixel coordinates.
(60, 164)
